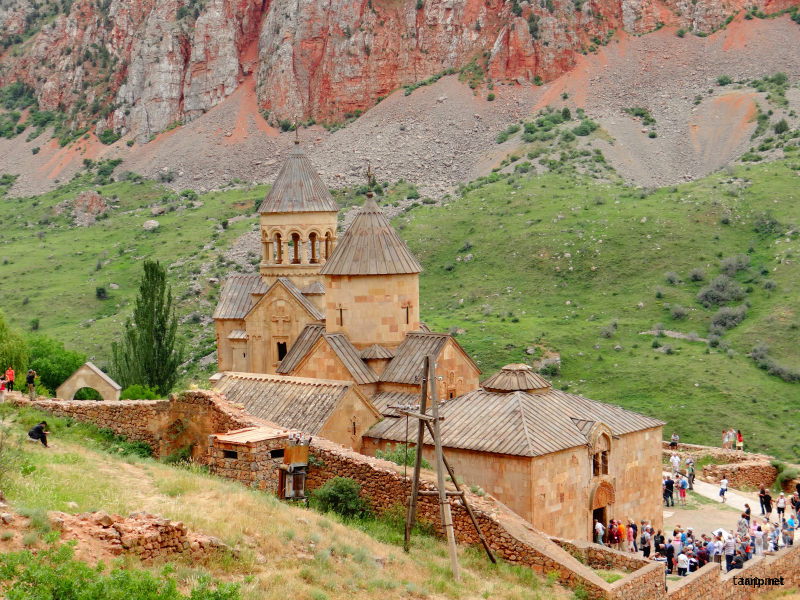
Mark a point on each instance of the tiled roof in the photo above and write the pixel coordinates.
(383, 400)
(237, 334)
(298, 188)
(376, 351)
(406, 366)
(314, 288)
(520, 423)
(304, 342)
(351, 358)
(235, 299)
(516, 377)
(371, 246)
(251, 434)
(292, 402)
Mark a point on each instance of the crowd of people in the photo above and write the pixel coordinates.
(685, 550)
(7, 382)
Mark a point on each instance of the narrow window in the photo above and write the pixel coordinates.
(276, 453)
(281, 350)
(596, 464)
(230, 454)
(604, 461)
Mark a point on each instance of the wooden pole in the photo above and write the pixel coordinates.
(444, 505)
(412, 501)
(467, 507)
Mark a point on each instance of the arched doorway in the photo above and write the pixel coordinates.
(87, 393)
(601, 497)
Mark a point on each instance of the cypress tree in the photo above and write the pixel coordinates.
(149, 353)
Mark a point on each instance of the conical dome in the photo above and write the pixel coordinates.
(371, 246)
(516, 378)
(298, 188)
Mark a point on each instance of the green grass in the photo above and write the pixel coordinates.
(558, 259)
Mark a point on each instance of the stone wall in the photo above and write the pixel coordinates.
(712, 582)
(600, 557)
(253, 465)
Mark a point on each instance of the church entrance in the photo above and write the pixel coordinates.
(600, 515)
(599, 500)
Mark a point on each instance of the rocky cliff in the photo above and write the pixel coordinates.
(140, 66)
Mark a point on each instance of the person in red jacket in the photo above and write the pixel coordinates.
(10, 379)
(739, 440)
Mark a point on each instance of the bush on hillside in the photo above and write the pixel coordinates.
(720, 291)
(139, 392)
(733, 264)
(678, 312)
(728, 317)
(52, 361)
(760, 354)
(342, 496)
(724, 80)
(672, 278)
(697, 275)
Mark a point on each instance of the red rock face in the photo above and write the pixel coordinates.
(141, 65)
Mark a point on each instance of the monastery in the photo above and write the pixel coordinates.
(327, 339)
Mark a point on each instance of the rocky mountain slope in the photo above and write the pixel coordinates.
(139, 66)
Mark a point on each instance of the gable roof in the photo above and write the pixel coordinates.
(295, 292)
(348, 355)
(99, 372)
(292, 402)
(298, 188)
(383, 400)
(235, 298)
(371, 246)
(301, 347)
(376, 351)
(406, 366)
(520, 423)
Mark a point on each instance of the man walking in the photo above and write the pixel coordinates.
(690, 472)
(729, 549)
(598, 532)
(10, 378)
(669, 488)
(30, 380)
(723, 488)
(675, 461)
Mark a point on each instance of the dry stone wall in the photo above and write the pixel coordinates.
(600, 557)
(253, 465)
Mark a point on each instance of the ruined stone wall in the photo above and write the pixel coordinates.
(600, 557)
(711, 582)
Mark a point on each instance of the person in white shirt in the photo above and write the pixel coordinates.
(683, 564)
(723, 488)
(598, 532)
(675, 460)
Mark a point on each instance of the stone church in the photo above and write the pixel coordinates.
(327, 339)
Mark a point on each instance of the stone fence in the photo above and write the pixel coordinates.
(602, 557)
(743, 469)
(713, 582)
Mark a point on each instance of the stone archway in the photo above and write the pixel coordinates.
(89, 376)
(600, 498)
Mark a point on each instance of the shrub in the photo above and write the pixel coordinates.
(586, 127)
(781, 127)
(728, 317)
(401, 454)
(490, 97)
(767, 224)
(760, 354)
(52, 361)
(138, 392)
(678, 312)
(724, 80)
(35, 150)
(659, 293)
(100, 293)
(721, 290)
(566, 115)
(340, 495)
(681, 33)
(108, 136)
(769, 284)
(697, 275)
(733, 264)
(672, 278)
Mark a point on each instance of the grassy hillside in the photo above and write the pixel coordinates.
(317, 556)
(562, 263)
(521, 266)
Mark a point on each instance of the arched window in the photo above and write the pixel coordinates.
(312, 239)
(278, 256)
(600, 456)
(295, 248)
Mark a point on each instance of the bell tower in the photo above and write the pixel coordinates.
(298, 221)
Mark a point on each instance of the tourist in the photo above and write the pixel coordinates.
(787, 533)
(10, 378)
(675, 461)
(661, 558)
(645, 542)
(599, 530)
(658, 540)
(673, 441)
(39, 433)
(747, 512)
(683, 564)
(762, 492)
(732, 438)
(613, 534)
(796, 504)
(669, 552)
(690, 472)
(694, 562)
(768, 504)
(791, 526)
(774, 537)
(3, 384)
(683, 484)
(780, 505)
(737, 562)
(759, 540)
(739, 440)
(632, 531)
(723, 488)
(669, 487)
(729, 550)
(724, 439)
(30, 381)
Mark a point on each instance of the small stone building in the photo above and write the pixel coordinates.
(252, 455)
(335, 410)
(559, 460)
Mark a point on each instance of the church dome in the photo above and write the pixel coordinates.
(517, 378)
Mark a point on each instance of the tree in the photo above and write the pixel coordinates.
(149, 353)
(13, 349)
(52, 361)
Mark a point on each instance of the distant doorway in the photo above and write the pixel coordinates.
(600, 515)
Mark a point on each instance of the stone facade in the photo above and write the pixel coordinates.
(255, 464)
(89, 376)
